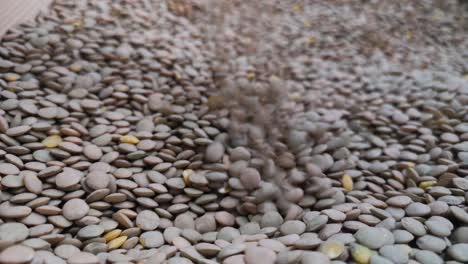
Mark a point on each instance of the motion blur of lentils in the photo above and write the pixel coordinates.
(234, 131)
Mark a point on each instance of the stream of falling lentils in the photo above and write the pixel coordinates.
(257, 132)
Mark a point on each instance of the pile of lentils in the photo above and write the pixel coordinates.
(216, 131)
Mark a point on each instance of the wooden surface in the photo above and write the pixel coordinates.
(13, 12)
